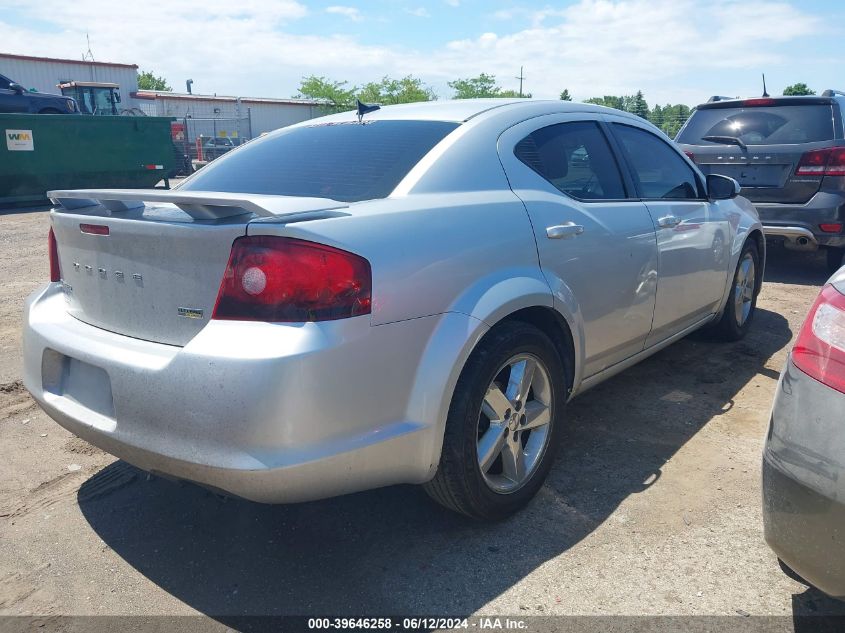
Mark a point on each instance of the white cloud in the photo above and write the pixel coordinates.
(350, 12)
(592, 47)
(420, 12)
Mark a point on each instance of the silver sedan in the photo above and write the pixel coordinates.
(406, 295)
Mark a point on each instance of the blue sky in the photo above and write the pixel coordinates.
(674, 50)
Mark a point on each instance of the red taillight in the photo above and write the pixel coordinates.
(832, 227)
(55, 271)
(829, 161)
(282, 279)
(690, 155)
(820, 349)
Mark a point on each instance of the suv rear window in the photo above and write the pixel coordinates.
(342, 161)
(770, 125)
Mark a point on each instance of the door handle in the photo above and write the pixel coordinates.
(668, 221)
(564, 231)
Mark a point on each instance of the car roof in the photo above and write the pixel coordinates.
(460, 110)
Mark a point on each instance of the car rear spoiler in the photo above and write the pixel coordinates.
(200, 205)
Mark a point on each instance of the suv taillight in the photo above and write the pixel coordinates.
(281, 279)
(829, 161)
(820, 349)
(55, 271)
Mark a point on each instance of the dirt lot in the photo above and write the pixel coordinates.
(653, 507)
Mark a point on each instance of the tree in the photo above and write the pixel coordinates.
(565, 96)
(334, 93)
(608, 101)
(670, 117)
(636, 104)
(476, 87)
(797, 89)
(148, 81)
(389, 91)
(513, 94)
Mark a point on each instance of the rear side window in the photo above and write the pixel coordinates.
(342, 161)
(575, 158)
(658, 170)
(771, 125)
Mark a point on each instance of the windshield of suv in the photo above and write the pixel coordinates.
(342, 161)
(773, 125)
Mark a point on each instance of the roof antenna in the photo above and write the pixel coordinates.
(765, 94)
(364, 108)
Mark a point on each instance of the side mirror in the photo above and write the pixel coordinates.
(16, 87)
(722, 187)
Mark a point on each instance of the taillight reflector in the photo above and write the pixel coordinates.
(833, 227)
(829, 161)
(94, 229)
(690, 155)
(281, 279)
(820, 349)
(55, 270)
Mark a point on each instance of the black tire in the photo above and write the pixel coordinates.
(729, 327)
(835, 258)
(459, 483)
(50, 111)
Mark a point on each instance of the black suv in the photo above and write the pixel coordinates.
(788, 153)
(13, 98)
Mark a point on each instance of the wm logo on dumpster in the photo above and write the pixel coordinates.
(19, 141)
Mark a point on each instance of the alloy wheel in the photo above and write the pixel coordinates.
(514, 423)
(744, 289)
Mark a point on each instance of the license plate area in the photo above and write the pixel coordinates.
(76, 381)
(753, 175)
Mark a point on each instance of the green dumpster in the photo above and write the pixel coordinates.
(40, 152)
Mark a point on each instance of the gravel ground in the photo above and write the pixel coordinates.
(652, 508)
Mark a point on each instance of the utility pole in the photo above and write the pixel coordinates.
(521, 78)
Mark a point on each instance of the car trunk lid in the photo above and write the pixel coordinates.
(148, 264)
(765, 172)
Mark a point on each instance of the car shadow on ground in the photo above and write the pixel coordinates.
(795, 267)
(392, 551)
(815, 612)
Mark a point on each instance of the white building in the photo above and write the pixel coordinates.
(44, 74)
(206, 115)
(212, 115)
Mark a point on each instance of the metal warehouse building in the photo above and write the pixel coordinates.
(44, 74)
(212, 115)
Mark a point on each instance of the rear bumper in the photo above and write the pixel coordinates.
(804, 481)
(272, 413)
(792, 221)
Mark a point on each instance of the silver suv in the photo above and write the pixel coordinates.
(788, 153)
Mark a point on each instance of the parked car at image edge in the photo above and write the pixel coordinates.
(788, 154)
(13, 98)
(342, 305)
(803, 472)
(216, 146)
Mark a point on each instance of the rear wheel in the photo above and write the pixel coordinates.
(49, 111)
(503, 424)
(742, 301)
(835, 258)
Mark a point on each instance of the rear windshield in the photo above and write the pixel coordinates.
(774, 125)
(342, 161)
